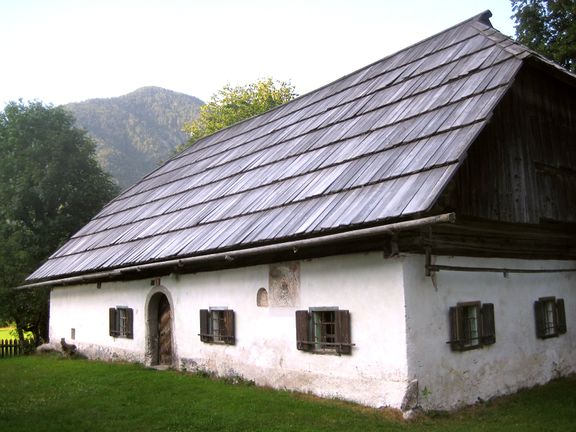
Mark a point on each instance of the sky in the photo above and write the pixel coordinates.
(61, 51)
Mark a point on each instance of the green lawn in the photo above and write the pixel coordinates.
(10, 333)
(52, 394)
(5, 333)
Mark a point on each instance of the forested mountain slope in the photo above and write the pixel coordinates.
(136, 131)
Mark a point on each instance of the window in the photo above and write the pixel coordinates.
(262, 298)
(121, 322)
(471, 326)
(550, 317)
(323, 330)
(217, 326)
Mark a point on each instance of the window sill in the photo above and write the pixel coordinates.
(550, 336)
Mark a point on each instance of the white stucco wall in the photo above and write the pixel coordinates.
(85, 309)
(368, 285)
(518, 358)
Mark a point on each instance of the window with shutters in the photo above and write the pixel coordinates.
(323, 330)
(121, 322)
(471, 326)
(217, 326)
(550, 317)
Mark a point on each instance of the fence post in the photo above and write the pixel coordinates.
(13, 347)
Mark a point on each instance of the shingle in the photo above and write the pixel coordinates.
(378, 144)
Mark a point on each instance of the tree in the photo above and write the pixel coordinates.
(50, 185)
(548, 27)
(233, 104)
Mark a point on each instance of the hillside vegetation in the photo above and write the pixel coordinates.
(137, 131)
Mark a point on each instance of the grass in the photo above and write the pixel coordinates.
(9, 332)
(52, 394)
(6, 333)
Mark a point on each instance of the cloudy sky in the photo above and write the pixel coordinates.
(61, 51)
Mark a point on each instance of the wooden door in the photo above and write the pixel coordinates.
(164, 332)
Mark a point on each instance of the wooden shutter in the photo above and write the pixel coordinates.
(130, 323)
(343, 335)
(229, 335)
(303, 330)
(488, 326)
(205, 325)
(112, 324)
(456, 328)
(540, 314)
(561, 316)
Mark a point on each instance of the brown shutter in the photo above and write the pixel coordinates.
(302, 330)
(343, 335)
(540, 314)
(205, 325)
(456, 328)
(229, 335)
(561, 315)
(112, 327)
(488, 326)
(130, 323)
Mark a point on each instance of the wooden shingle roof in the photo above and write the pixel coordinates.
(375, 146)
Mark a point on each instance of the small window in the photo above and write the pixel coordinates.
(217, 326)
(262, 298)
(121, 322)
(471, 326)
(323, 330)
(550, 317)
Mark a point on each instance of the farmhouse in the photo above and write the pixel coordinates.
(405, 235)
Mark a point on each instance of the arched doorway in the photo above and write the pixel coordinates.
(160, 330)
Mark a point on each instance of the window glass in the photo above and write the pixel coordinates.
(324, 327)
(122, 322)
(471, 334)
(217, 325)
(549, 327)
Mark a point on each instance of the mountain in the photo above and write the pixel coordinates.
(137, 131)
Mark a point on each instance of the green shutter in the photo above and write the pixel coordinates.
(540, 315)
(112, 324)
(488, 336)
(343, 335)
(130, 323)
(205, 325)
(229, 336)
(303, 330)
(561, 315)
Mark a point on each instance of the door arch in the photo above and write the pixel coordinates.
(160, 349)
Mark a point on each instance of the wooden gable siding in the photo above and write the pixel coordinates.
(522, 168)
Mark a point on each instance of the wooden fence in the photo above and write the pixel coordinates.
(13, 347)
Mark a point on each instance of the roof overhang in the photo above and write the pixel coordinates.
(191, 264)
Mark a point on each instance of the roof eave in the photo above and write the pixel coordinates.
(294, 246)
